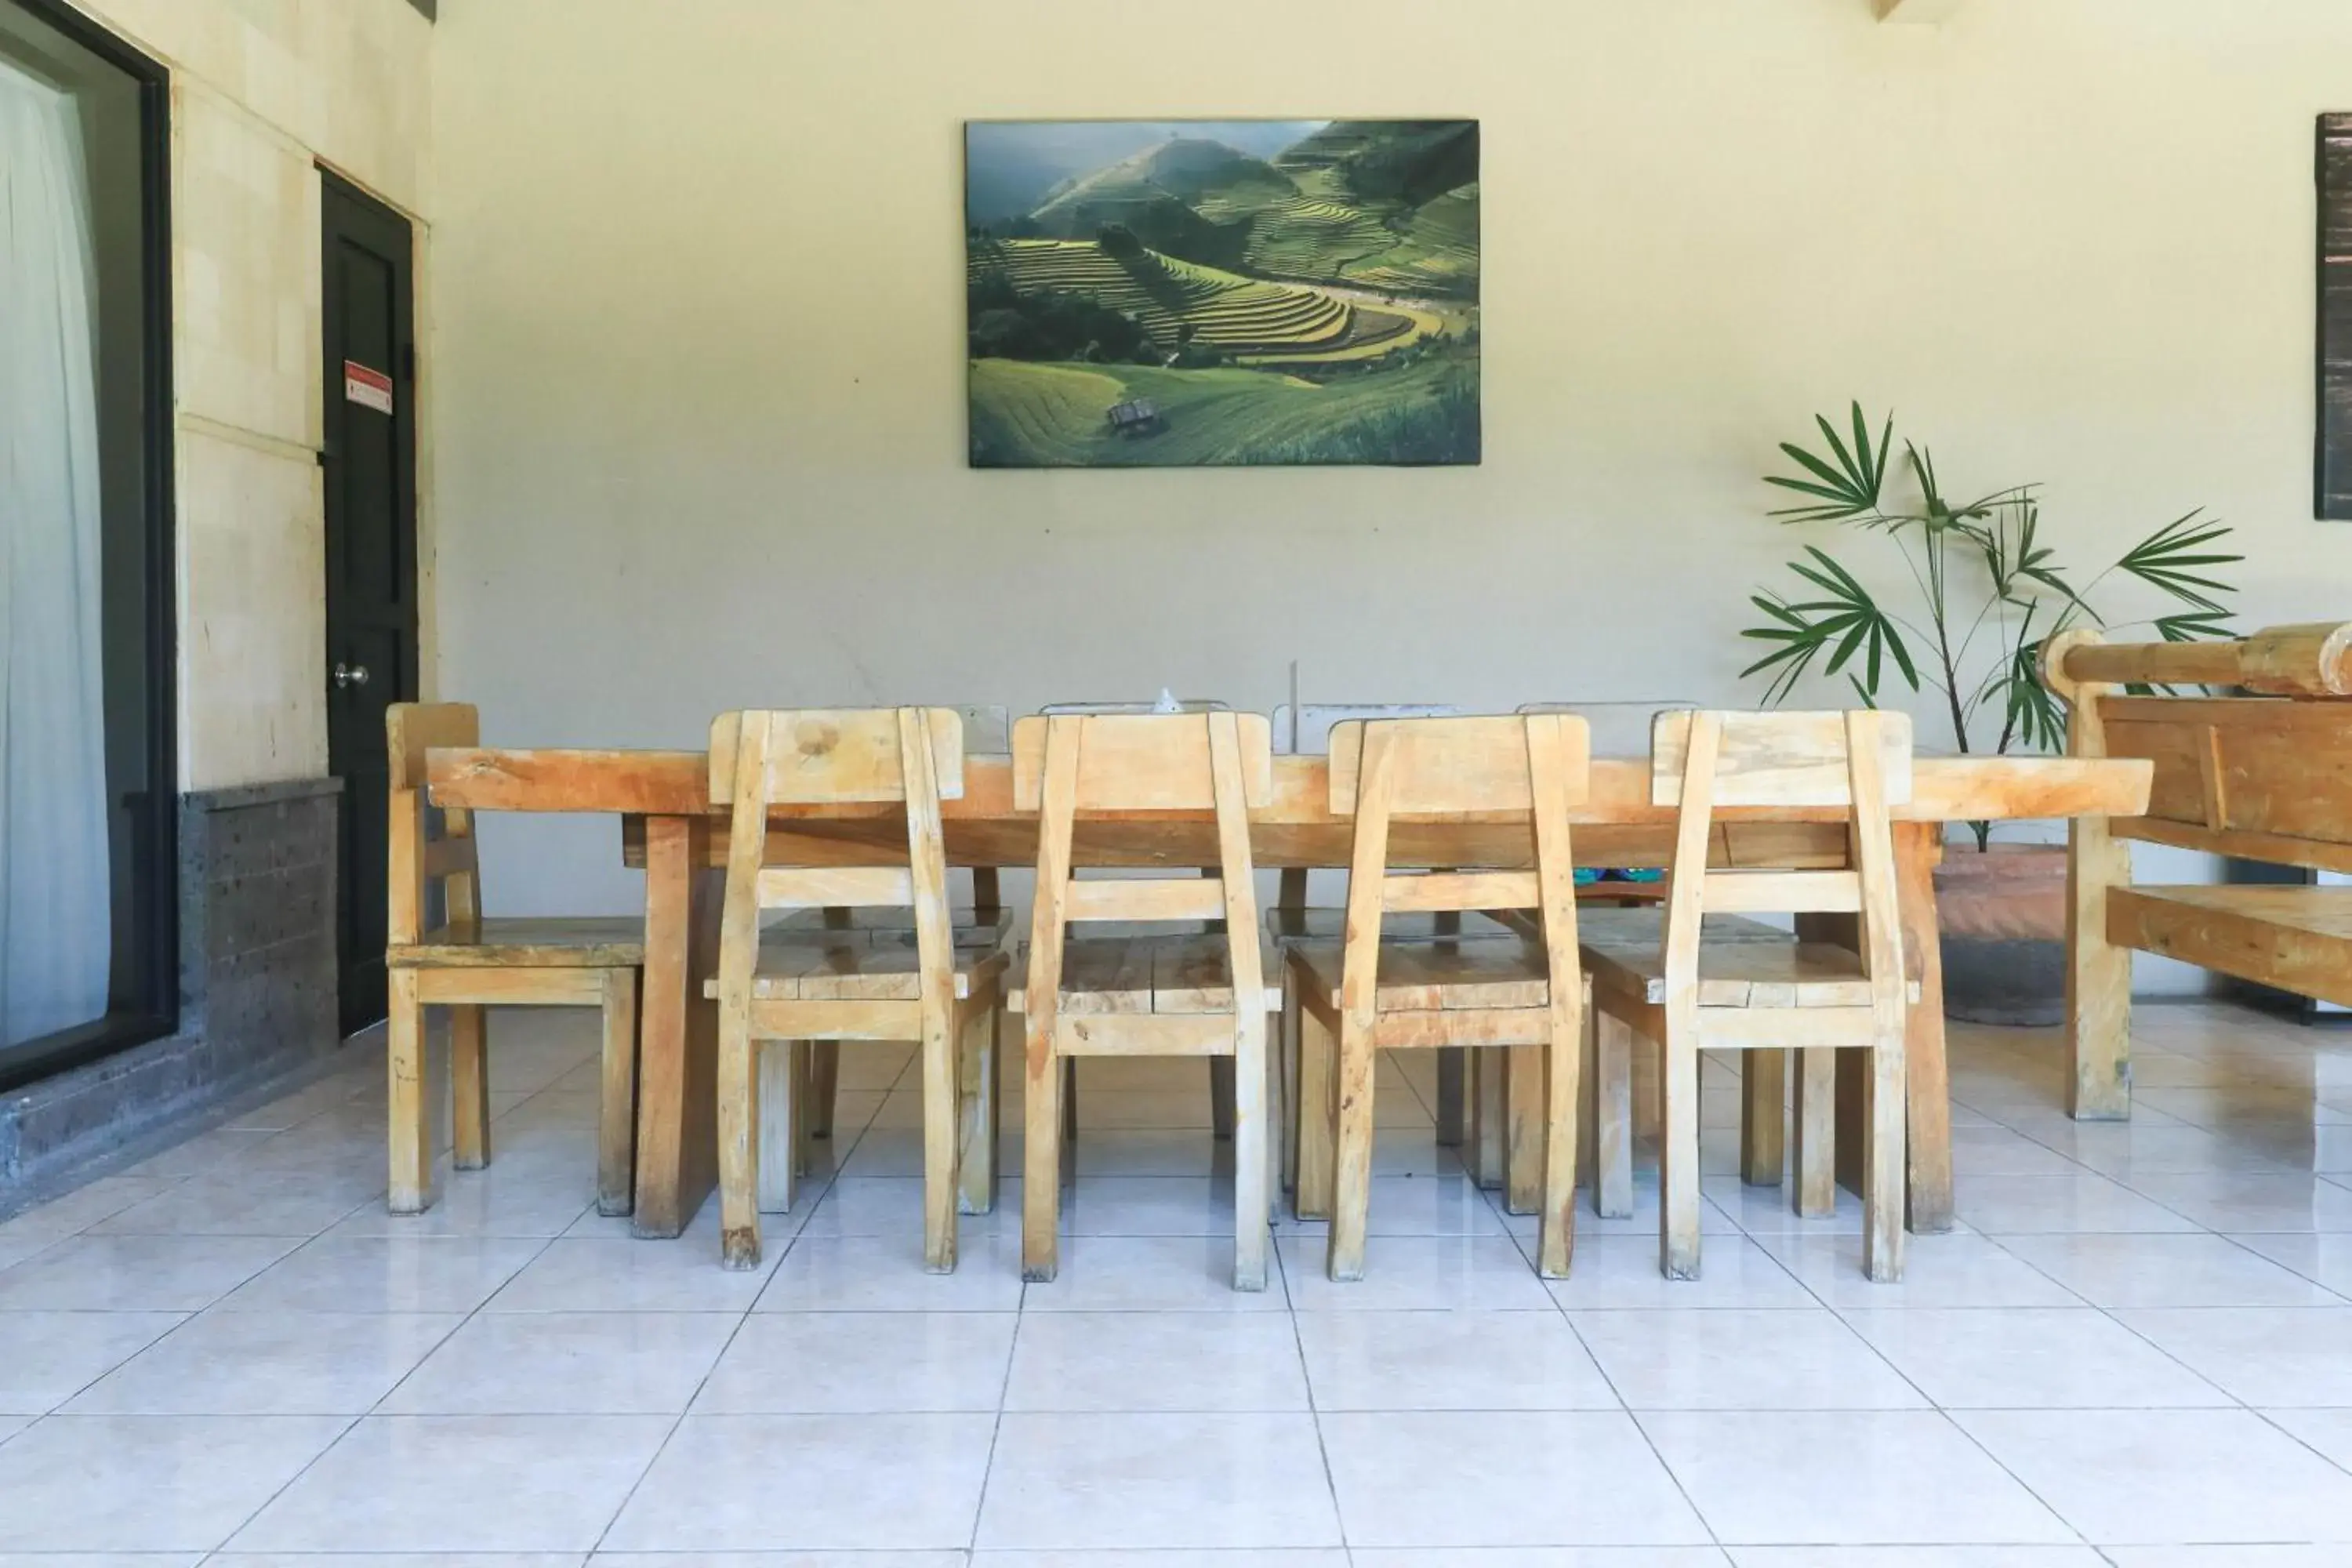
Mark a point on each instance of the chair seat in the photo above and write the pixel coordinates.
(1428, 977)
(885, 922)
(1740, 968)
(530, 942)
(1187, 972)
(1287, 926)
(809, 964)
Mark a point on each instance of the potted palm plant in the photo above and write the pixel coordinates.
(1983, 590)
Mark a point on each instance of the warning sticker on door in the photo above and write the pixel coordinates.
(368, 388)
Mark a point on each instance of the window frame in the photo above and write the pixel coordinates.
(155, 880)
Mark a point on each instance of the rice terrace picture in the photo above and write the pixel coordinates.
(1164, 294)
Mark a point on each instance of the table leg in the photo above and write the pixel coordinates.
(677, 1141)
(1918, 846)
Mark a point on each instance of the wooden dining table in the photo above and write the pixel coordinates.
(672, 829)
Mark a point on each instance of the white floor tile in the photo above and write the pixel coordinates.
(2195, 1270)
(1917, 1557)
(1127, 1361)
(1740, 1360)
(1890, 1477)
(893, 1205)
(1472, 1273)
(596, 1274)
(1609, 1272)
(234, 1202)
(1955, 1270)
(2282, 1356)
(556, 1363)
(857, 1363)
(885, 1273)
(1495, 1478)
(1271, 1557)
(2326, 1259)
(462, 1483)
(1449, 1361)
(837, 1482)
(2169, 1477)
(1095, 1483)
(1417, 1205)
(384, 1274)
(47, 1358)
(1542, 1557)
(138, 1273)
(2031, 1359)
(254, 1363)
(147, 1483)
(1999, 1206)
(1149, 1274)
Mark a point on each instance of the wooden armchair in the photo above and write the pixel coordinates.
(1692, 992)
(470, 964)
(1197, 994)
(2265, 776)
(795, 984)
(1522, 997)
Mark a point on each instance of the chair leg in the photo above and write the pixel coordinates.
(977, 1111)
(1041, 1157)
(1523, 1137)
(1251, 1214)
(1613, 1117)
(1453, 1070)
(1352, 1158)
(1678, 1159)
(1070, 1120)
(617, 1101)
(778, 1083)
(469, 1086)
(1883, 1187)
(739, 1163)
(941, 1136)
(410, 1122)
(1317, 1051)
(1556, 1238)
(1220, 1099)
(1486, 1136)
(1763, 1106)
(1815, 1118)
(823, 1079)
(1286, 1054)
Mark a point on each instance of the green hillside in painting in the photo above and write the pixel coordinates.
(1211, 293)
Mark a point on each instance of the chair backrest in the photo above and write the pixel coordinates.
(416, 861)
(1306, 730)
(1536, 765)
(760, 758)
(1857, 762)
(1069, 766)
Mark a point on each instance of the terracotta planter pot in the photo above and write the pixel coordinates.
(2003, 917)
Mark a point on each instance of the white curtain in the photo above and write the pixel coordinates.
(54, 885)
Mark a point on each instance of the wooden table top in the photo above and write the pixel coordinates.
(1618, 826)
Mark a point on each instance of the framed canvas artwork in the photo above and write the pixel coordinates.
(2333, 486)
(1171, 294)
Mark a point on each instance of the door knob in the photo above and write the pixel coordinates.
(350, 675)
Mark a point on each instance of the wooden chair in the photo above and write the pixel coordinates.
(790, 986)
(1526, 996)
(1690, 993)
(470, 964)
(1139, 996)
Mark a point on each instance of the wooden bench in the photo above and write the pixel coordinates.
(2263, 776)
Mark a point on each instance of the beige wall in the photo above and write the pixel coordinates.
(699, 322)
(262, 91)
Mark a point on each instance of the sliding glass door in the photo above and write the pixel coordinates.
(86, 767)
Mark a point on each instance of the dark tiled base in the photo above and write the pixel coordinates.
(256, 987)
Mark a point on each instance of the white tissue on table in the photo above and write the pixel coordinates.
(1167, 703)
